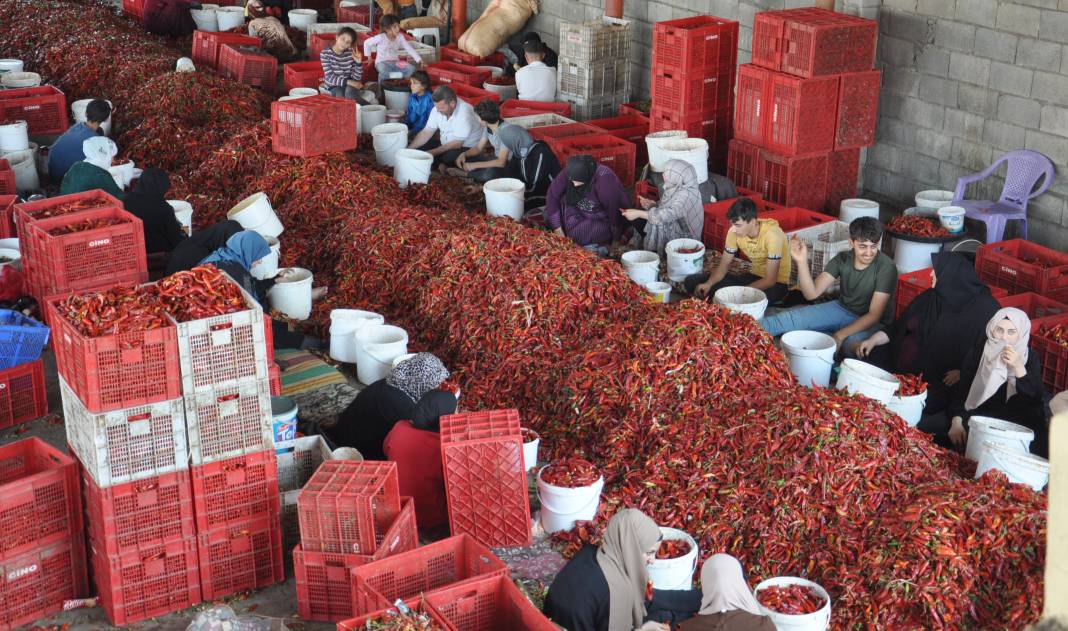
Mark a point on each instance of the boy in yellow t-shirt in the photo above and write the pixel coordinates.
(766, 246)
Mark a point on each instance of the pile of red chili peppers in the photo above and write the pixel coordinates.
(571, 473)
(688, 411)
(673, 549)
(88, 224)
(1057, 333)
(120, 309)
(910, 385)
(916, 226)
(201, 292)
(796, 600)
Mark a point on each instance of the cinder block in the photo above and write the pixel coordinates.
(1018, 19)
(969, 155)
(901, 81)
(1011, 79)
(1054, 26)
(978, 100)
(963, 124)
(938, 90)
(981, 12)
(1054, 120)
(1019, 111)
(910, 27)
(1053, 147)
(933, 60)
(934, 144)
(969, 69)
(955, 36)
(1050, 87)
(895, 131)
(922, 113)
(1039, 55)
(995, 45)
(1003, 135)
(937, 8)
(901, 5)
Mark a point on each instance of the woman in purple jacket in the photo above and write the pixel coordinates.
(584, 203)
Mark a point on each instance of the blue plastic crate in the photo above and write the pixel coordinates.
(21, 338)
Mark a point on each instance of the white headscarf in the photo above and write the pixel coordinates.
(100, 151)
(723, 587)
(992, 370)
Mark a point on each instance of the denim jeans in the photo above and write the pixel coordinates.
(826, 317)
(385, 68)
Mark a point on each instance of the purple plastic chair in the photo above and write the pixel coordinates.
(1025, 169)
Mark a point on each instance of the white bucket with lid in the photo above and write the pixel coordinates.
(14, 136)
(653, 142)
(377, 345)
(229, 17)
(748, 300)
(856, 208)
(9, 257)
(255, 213)
(691, 150)
(11, 65)
(292, 295)
(815, 621)
(1021, 468)
(205, 19)
(910, 256)
(983, 429)
(681, 265)
(530, 449)
(268, 265)
(811, 356)
(675, 573)
(952, 218)
(909, 408)
(661, 291)
(24, 164)
(77, 109)
(504, 91)
(861, 378)
(396, 99)
(642, 266)
(303, 92)
(343, 326)
(20, 79)
(183, 212)
(505, 197)
(369, 116)
(389, 138)
(302, 18)
(934, 199)
(412, 167)
(561, 506)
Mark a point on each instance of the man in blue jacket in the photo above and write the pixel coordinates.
(68, 148)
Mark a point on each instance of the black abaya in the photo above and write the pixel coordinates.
(190, 252)
(148, 201)
(367, 421)
(578, 598)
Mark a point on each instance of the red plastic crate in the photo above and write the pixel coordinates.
(155, 580)
(302, 74)
(7, 207)
(206, 46)
(801, 114)
(7, 183)
(361, 13)
(1051, 355)
(451, 52)
(29, 212)
(313, 125)
(616, 154)
(1038, 308)
(1021, 266)
(275, 379)
(22, 393)
(40, 498)
(445, 72)
(318, 42)
(714, 127)
(743, 165)
(134, 8)
(793, 180)
(793, 219)
(347, 507)
(698, 43)
(843, 169)
(813, 42)
(414, 604)
(767, 38)
(44, 109)
(493, 603)
(473, 95)
(644, 188)
(485, 479)
(634, 107)
(630, 127)
(116, 371)
(714, 232)
(553, 134)
(239, 557)
(858, 108)
(455, 560)
(235, 490)
(134, 516)
(35, 583)
(677, 90)
(249, 64)
(229, 421)
(515, 107)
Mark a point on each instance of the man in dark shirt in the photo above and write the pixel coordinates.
(519, 52)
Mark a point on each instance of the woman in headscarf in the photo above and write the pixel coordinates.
(727, 603)
(605, 588)
(410, 393)
(190, 252)
(148, 201)
(1001, 379)
(584, 203)
(680, 213)
(270, 30)
(938, 328)
(92, 173)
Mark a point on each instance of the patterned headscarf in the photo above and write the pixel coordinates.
(681, 200)
(418, 375)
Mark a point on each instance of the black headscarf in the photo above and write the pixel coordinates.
(956, 289)
(189, 253)
(148, 200)
(580, 168)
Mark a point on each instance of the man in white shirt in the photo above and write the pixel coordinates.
(536, 81)
(456, 125)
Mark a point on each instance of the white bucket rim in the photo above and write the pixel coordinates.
(858, 202)
(658, 287)
(536, 438)
(684, 145)
(300, 275)
(639, 257)
(375, 107)
(934, 195)
(1025, 459)
(675, 245)
(303, 12)
(1001, 426)
(667, 134)
(353, 314)
(377, 334)
(782, 581)
(399, 359)
(599, 482)
(872, 371)
(789, 340)
(248, 202)
(667, 533)
(739, 296)
(385, 129)
(414, 154)
(231, 9)
(504, 185)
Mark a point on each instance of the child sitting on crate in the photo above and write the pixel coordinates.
(388, 45)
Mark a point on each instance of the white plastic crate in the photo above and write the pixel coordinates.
(334, 27)
(606, 38)
(128, 444)
(298, 459)
(583, 108)
(593, 79)
(539, 120)
(427, 53)
(825, 242)
(229, 421)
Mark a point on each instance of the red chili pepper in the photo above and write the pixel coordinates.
(917, 226)
(673, 549)
(570, 473)
(796, 600)
(911, 385)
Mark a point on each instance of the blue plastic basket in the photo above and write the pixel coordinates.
(21, 338)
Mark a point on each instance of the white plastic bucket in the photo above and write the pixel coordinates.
(343, 326)
(661, 291)
(255, 213)
(811, 356)
(10, 243)
(861, 378)
(183, 212)
(268, 265)
(14, 136)
(983, 429)
(399, 359)
(302, 18)
(675, 573)
(679, 266)
(851, 209)
(369, 117)
(376, 347)
(653, 142)
(389, 138)
(561, 506)
(530, 451)
(289, 97)
(11, 65)
(952, 218)
(396, 99)
(283, 419)
(747, 300)
(9, 257)
(412, 167)
(205, 19)
(292, 295)
(815, 621)
(77, 109)
(493, 70)
(303, 92)
(1021, 468)
(910, 408)
(642, 266)
(394, 116)
(24, 165)
(504, 197)
(691, 150)
(504, 91)
(229, 17)
(910, 256)
(934, 199)
(20, 79)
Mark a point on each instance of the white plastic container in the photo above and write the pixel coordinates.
(811, 356)
(205, 19)
(910, 256)
(255, 213)
(11, 65)
(561, 506)
(983, 429)
(268, 265)
(504, 91)
(396, 99)
(389, 138)
(77, 109)
(861, 378)
(747, 300)
(816, 621)
(183, 212)
(675, 573)
(376, 348)
(229, 17)
(934, 199)
(642, 266)
(952, 218)
(856, 208)
(691, 150)
(412, 167)
(505, 197)
(292, 295)
(679, 266)
(302, 18)
(530, 450)
(283, 419)
(123, 174)
(24, 164)
(661, 291)
(1020, 468)
(343, 326)
(368, 117)
(399, 359)
(14, 136)
(300, 92)
(10, 257)
(653, 143)
(910, 408)
(20, 79)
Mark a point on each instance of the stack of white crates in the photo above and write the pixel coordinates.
(593, 72)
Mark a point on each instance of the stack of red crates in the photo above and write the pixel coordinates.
(206, 46)
(7, 210)
(805, 107)
(351, 513)
(7, 180)
(44, 109)
(42, 551)
(694, 61)
(249, 64)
